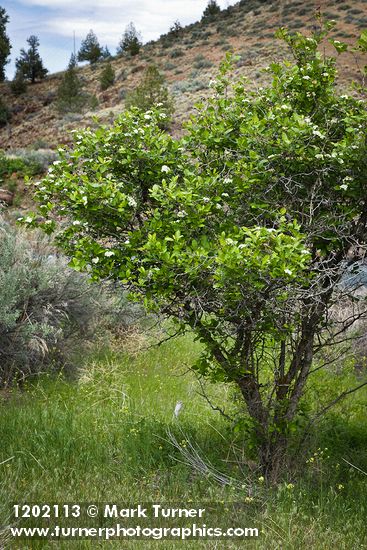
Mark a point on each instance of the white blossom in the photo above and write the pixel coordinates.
(131, 201)
(165, 168)
(109, 253)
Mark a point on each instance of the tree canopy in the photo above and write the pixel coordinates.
(212, 9)
(5, 46)
(30, 63)
(131, 41)
(242, 231)
(70, 95)
(107, 76)
(90, 49)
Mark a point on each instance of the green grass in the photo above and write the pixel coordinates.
(104, 439)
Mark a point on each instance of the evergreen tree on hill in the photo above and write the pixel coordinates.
(107, 77)
(30, 63)
(18, 85)
(151, 91)
(5, 46)
(130, 42)
(90, 49)
(70, 97)
(211, 10)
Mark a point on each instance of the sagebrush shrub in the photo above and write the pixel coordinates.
(44, 305)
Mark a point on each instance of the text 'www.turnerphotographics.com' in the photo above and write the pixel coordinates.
(105, 521)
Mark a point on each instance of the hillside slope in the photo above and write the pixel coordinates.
(188, 62)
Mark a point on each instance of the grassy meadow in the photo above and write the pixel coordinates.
(104, 438)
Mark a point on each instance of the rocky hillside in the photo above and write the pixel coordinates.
(188, 62)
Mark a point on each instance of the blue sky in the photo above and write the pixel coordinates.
(54, 22)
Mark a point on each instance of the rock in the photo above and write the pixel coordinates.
(6, 196)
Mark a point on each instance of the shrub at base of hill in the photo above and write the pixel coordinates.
(44, 306)
(242, 231)
(47, 310)
(25, 162)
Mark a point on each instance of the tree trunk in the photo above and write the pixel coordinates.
(272, 456)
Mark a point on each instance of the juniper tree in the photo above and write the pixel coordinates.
(5, 46)
(130, 42)
(106, 54)
(212, 9)
(18, 85)
(152, 90)
(30, 63)
(90, 49)
(70, 95)
(107, 77)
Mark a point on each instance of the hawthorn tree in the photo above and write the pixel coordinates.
(90, 49)
(5, 46)
(30, 63)
(242, 231)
